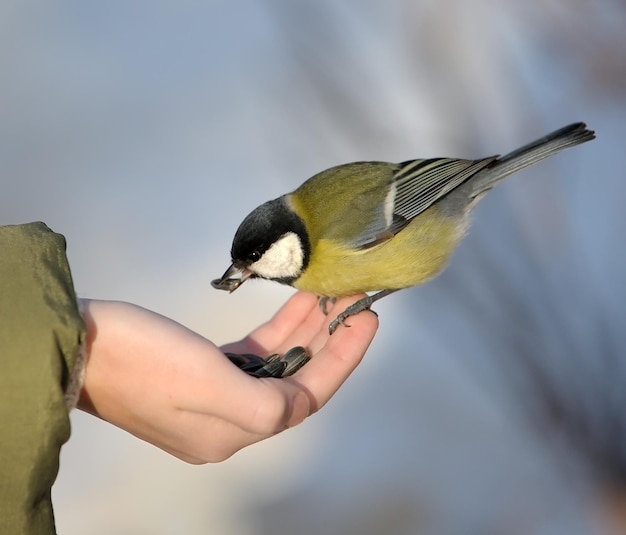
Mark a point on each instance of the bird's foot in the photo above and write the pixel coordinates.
(323, 303)
(352, 310)
(355, 308)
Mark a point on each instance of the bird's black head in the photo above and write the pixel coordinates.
(272, 242)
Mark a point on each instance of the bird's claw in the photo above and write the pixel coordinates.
(272, 366)
(352, 310)
(323, 303)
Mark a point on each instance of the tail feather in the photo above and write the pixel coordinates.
(564, 138)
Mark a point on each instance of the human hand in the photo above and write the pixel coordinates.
(175, 389)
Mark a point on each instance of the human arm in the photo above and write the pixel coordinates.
(175, 389)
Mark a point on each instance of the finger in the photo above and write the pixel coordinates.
(303, 334)
(313, 332)
(322, 376)
(322, 336)
(334, 358)
(216, 387)
(266, 406)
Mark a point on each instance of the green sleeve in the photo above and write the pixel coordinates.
(41, 333)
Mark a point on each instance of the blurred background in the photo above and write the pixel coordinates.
(492, 400)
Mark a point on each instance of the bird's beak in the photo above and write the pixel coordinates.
(228, 282)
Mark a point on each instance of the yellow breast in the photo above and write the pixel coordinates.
(413, 256)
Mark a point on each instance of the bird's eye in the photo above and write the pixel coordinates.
(254, 256)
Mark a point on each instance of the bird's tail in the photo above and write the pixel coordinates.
(564, 138)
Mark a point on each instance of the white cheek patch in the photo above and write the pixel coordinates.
(282, 260)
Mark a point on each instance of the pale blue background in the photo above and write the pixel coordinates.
(145, 131)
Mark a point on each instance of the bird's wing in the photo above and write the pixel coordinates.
(416, 185)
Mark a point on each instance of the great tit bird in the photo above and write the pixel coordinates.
(374, 226)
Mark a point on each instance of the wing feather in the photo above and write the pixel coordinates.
(420, 183)
(416, 185)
